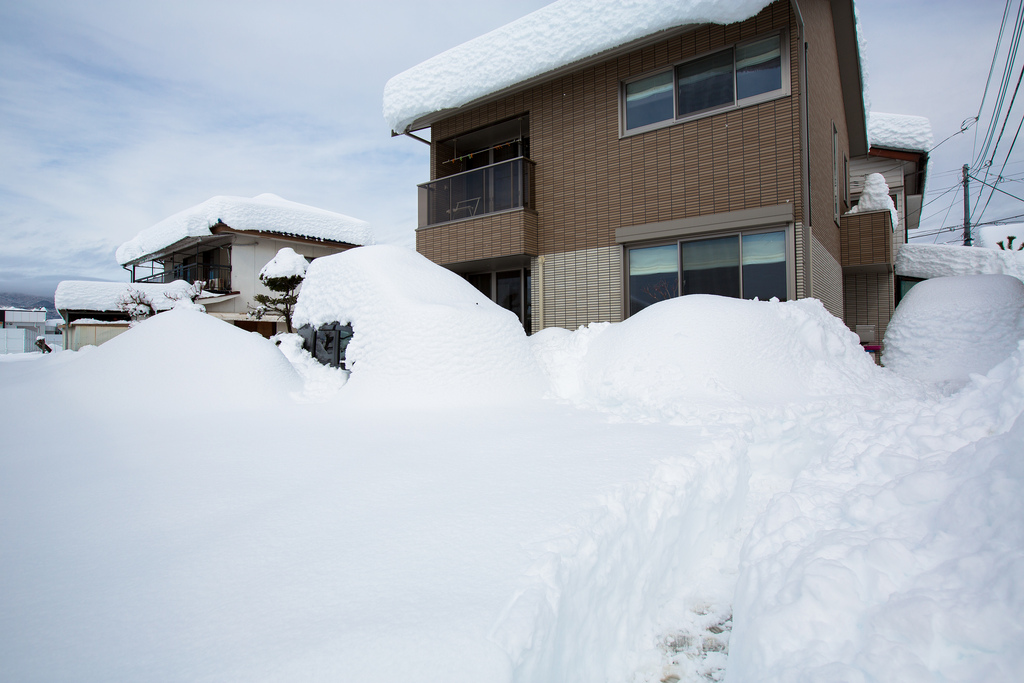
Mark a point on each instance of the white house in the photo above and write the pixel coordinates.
(226, 241)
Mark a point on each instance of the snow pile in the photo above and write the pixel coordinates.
(263, 213)
(949, 327)
(900, 132)
(416, 326)
(552, 37)
(286, 263)
(942, 260)
(989, 236)
(875, 197)
(179, 358)
(694, 352)
(81, 295)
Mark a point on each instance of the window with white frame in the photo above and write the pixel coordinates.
(740, 75)
(748, 265)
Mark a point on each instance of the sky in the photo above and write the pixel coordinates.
(115, 115)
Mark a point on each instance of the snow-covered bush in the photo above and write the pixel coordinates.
(283, 275)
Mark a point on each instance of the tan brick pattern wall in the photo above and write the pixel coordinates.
(579, 287)
(867, 239)
(501, 234)
(827, 279)
(590, 182)
(825, 107)
(870, 300)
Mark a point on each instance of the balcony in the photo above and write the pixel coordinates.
(492, 189)
(217, 278)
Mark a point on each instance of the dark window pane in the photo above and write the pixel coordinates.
(653, 276)
(712, 266)
(649, 100)
(481, 281)
(758, 67)
(509, 291)
(764, 266)
(705, 83)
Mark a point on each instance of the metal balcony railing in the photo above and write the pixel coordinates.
(217, 278)
(498, 187)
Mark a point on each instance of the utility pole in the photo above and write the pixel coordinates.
(967, 209)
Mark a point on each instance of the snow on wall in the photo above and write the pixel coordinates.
(899, 131)
(416, 326)
(81, 295)
(550, 38)
(942, 260)
(949, 327)
(262, 213)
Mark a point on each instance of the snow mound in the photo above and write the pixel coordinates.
(949, 327)
(875, 197)
(185, 357)
(286, 263)
(703, 350)
(83, 295)
(550, 38)
(417, 327)
(989, 236)
(263, 213)
(900, 132)
(943, 260)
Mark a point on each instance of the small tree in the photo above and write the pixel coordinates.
(283, 275)
(1009, 244)
(136, 304)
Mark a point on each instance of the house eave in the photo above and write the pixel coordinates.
(428, 120)
(844, 24)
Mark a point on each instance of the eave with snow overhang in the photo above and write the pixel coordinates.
(571, 35)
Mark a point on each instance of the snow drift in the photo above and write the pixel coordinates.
(700, 351)
(949, 327)
(417, 328)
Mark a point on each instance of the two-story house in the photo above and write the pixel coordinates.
(595, 157)
(226, 241)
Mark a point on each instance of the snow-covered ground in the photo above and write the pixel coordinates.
(713, 489)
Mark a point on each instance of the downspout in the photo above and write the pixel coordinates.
(540, 291)
(805, 142)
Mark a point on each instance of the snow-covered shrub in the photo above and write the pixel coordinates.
(283, 275)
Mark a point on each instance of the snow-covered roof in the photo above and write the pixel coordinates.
(83, 295)
(900, 132)
(944, 260)
(555, 36)
(263, 213)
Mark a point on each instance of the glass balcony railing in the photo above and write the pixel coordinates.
(498, 187)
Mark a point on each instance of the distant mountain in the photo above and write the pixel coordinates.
(16, 300)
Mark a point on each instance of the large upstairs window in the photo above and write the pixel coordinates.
(740, 75)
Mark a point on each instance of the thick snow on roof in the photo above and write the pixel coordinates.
(942, 260)
(263, 213)
(416, 326)
(900, 132)
(82, 295)
(949, 327)
(552, 37)
(989, 236)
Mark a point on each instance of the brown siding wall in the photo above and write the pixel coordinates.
(825, 107)
(501, 234)
(867, 239)
(590, 182)
(870, 300)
